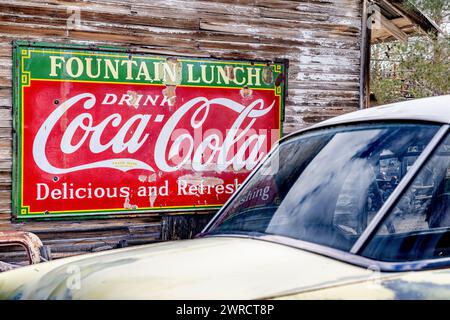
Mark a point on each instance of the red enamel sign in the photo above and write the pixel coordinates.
(104, 145)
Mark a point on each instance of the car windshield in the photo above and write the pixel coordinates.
(326, 185)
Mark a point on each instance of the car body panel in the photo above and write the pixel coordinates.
(432, 284)
(206, 268)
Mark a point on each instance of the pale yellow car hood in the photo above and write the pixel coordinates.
(207, 268)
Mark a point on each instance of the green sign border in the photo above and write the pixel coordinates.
(21, 77)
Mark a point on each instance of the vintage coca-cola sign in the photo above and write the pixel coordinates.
(109, 132)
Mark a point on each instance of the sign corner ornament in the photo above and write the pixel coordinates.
(103, 132)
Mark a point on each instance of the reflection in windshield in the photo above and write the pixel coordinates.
(418, 226)
(325, 186)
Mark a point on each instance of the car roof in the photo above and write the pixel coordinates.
(435, 109)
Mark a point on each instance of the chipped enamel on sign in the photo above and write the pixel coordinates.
(106, 132)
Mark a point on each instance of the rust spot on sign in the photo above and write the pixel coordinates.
(149, 178)
(152, 177)
(197, 180)
(279, 80)
(229, 71)
(128, 205)
(246, 92)
(134, 99)
(170, 94)
(267, 75)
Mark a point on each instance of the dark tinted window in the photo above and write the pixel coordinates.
(419, 225)
(325, 187)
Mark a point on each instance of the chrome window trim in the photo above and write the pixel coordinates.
(353, 256)
(390, 202)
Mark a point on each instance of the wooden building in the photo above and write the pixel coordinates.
(327, 44)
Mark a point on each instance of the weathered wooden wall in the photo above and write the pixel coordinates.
(321, 39)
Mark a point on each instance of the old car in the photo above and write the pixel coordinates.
(355, 207)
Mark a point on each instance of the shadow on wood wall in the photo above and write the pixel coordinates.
(186, 226)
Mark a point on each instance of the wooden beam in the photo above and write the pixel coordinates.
(393, 29)
(385, 3)
(364, 72)
(416, 16)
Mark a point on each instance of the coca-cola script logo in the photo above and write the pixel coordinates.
(218, 146)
